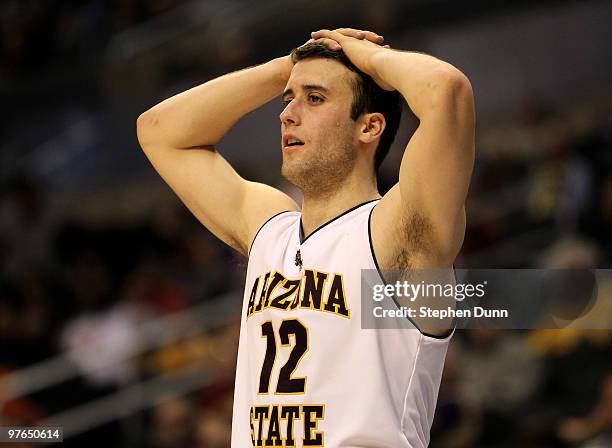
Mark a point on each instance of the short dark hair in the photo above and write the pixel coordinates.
(368, 97)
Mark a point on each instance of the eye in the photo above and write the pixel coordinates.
(286, 101)
(313, 98)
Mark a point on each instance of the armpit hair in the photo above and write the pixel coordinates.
(416, 235)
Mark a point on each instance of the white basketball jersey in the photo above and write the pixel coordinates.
(308, 375)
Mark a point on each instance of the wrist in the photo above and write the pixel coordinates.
(282, 68)
(376, 61)
(377, 68)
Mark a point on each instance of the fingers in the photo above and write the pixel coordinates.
(349, 32)
(327, 34)
(373, 37)
(329, 43)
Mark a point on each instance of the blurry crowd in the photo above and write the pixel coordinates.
(40, 35)
(86, 288)
(541, 178)
(541, 197)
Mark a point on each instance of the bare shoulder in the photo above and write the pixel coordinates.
(262, 203)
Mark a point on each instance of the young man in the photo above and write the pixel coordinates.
(307, 374)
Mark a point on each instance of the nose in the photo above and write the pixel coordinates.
(290, 114)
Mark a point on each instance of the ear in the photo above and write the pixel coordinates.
(371, 127)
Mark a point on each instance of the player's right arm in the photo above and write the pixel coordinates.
(179, 136)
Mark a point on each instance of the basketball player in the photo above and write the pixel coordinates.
(307, 374)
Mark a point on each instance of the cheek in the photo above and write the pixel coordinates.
(329, 125)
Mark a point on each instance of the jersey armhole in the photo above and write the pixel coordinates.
(437, 338)
(261, 227)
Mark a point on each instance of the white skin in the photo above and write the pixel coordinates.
(334, 167)
(419, 223)
(318, 99)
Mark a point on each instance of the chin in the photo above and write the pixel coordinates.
(292, 172)
(315, 175)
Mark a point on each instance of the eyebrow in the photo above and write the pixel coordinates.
(307, 87)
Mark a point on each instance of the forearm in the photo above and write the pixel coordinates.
(421, 79)
(201, 116)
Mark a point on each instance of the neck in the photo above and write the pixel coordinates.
(319, 208)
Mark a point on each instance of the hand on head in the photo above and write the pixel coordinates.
(334, 44)
(359, 46)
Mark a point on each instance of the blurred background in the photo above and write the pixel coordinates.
(119, 312)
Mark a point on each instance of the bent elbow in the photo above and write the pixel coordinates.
(146, 124)
(455, 85)
(453, 94)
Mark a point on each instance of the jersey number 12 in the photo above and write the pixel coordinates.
(286, 384)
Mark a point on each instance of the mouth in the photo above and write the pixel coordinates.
(291, 142)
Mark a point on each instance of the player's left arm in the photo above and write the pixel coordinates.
(424, 212)
(426, 209)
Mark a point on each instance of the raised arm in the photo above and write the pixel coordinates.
(425, 211)
(437, 164)
(179, 134)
